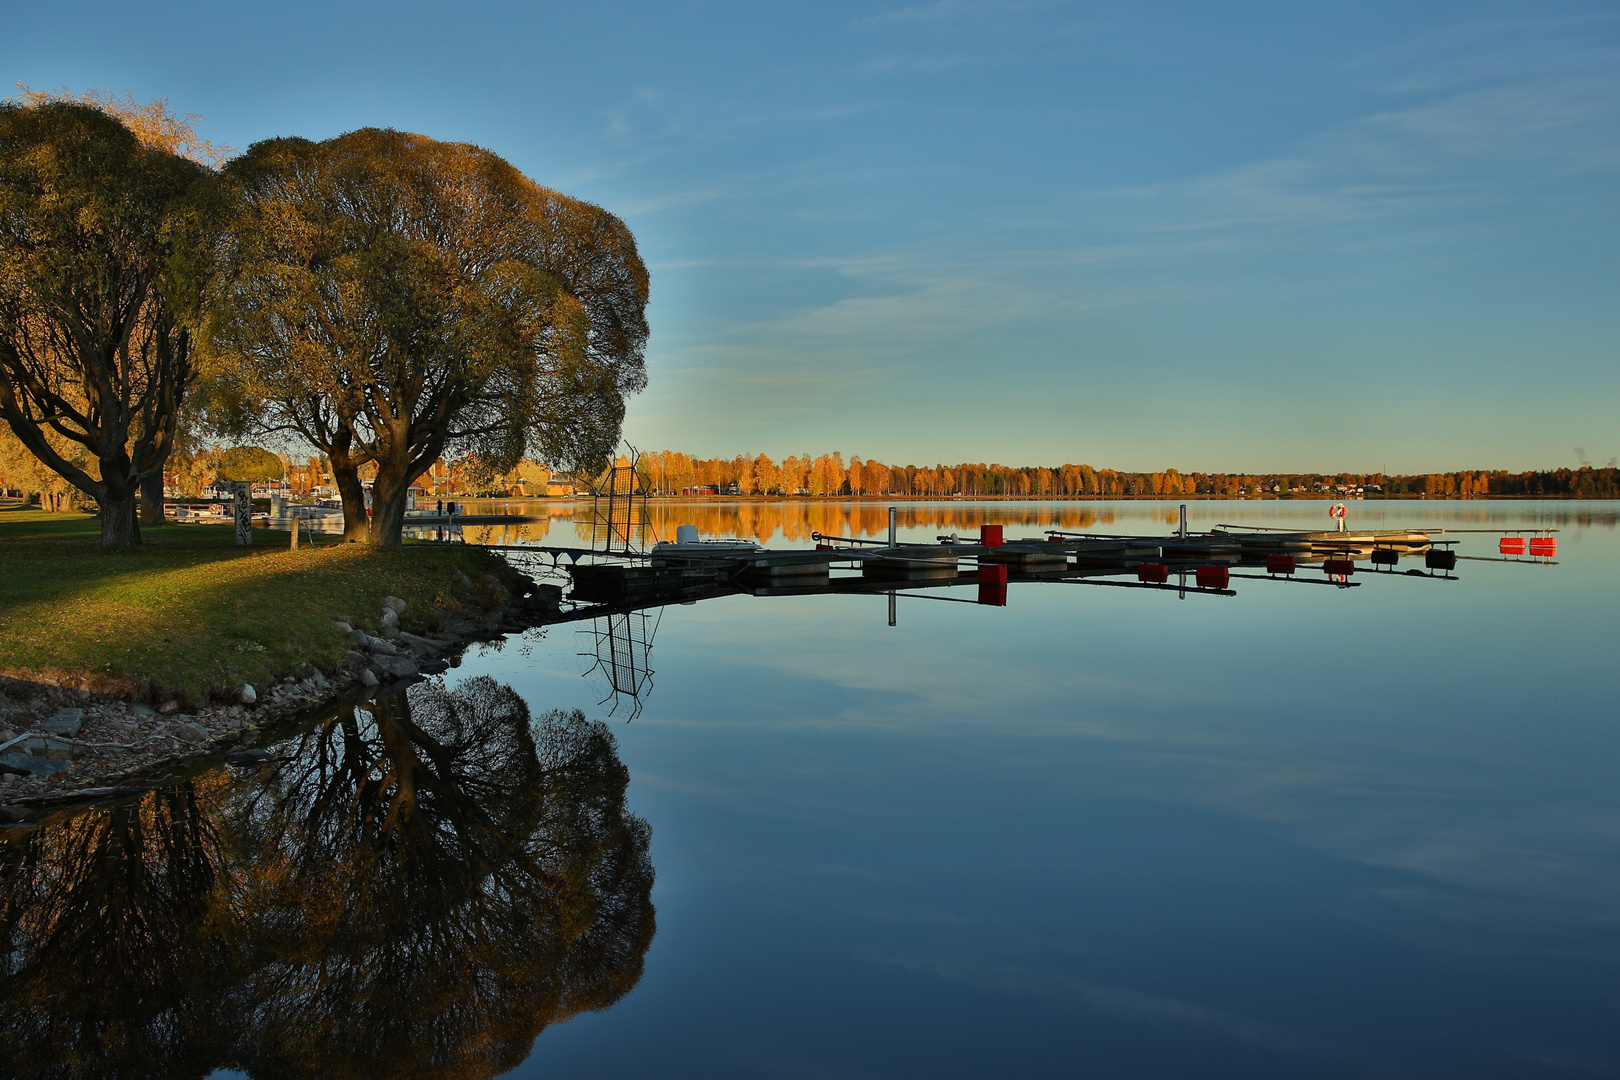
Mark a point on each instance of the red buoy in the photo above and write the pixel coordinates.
(1157, 573)
(1543, 546)
(990, 535)
(993, 574)
(1339, 566)
(1279, 564)
(1213, 577)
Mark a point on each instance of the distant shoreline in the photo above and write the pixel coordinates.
(558, 499)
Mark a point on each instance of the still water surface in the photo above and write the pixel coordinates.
(1301, 831)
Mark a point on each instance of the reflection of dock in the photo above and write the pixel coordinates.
(617, 571)
(1183, 562)
(673, 572)
(612, 589)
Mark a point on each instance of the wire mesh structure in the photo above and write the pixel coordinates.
(619, 519)
(623, 654)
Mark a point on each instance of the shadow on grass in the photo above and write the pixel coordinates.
(53, 556)
(191, 618)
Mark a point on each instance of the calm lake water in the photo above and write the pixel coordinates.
(1300, 831)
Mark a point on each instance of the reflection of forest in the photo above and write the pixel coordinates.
(793, 522)
(417, 889)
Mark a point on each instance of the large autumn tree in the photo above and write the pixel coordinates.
(97, 290)
(391, 299)
(158, 127)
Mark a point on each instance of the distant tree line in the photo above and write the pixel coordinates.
(670, 472)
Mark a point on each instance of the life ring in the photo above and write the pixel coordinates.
(1337, 510)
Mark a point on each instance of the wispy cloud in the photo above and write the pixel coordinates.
(917, 65)
(944, 10)
(1469, 131)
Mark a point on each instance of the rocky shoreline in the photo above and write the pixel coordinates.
(64, 746)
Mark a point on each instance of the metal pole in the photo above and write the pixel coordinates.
(1184, 521)
(891, 530)
(891, 608)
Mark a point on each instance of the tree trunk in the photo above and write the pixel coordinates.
(119, 529)
(346, 476)
(388, 506)
(152, 500)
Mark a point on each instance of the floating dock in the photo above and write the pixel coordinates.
(1183, 562)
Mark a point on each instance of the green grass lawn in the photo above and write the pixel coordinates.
(189, 612)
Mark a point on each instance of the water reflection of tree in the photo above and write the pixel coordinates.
(116, 945)
(432, 891)
(417, 891)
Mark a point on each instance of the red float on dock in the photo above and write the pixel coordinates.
(1157, 573)
(993, 574)
(1543, 546)
(1213, 577)
(990, 535)
(1339, 566)
(1511, 545)
(1280, 564)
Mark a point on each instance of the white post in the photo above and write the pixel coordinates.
(244, 513)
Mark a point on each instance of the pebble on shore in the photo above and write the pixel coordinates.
(95, 740)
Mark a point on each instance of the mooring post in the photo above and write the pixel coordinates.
(243, 493)
(294, 544)
(891, 601)
(1184, 521)
(892, 512)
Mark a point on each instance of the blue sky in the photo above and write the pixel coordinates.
(1209, 236)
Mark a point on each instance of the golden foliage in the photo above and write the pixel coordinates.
(155, 124)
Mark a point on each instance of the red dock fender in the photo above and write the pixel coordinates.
(1157, 573)
(1213, 577)
(1279, 564)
